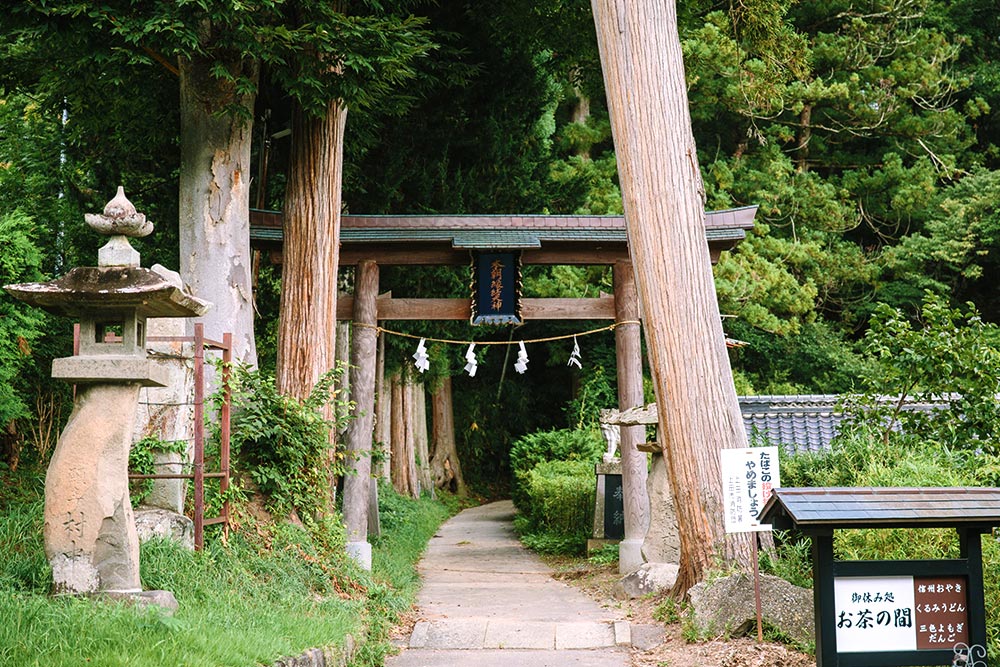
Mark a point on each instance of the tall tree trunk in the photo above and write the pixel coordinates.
(664, 211)
(214, 202)
(342, 357)
(400, 467)
(310, 251)
(421, 448)
(445, 465)
(409, 449)
(383, 414)
(802, 141)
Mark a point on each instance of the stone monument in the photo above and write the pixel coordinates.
(90, 535)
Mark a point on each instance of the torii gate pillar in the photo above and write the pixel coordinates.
(359, 431)
(629, 355)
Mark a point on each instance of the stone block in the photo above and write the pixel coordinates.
(662, 542)
(153, 522)
(648, 578)
(727, 605)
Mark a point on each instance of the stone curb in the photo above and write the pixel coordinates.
(335, 656)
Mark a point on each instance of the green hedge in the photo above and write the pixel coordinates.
(558, 445)
(558, 511)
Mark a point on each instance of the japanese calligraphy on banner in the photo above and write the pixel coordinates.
(877, 614)
(748, 478)
(496, 288)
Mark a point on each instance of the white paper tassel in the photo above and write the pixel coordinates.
(470, 358)
(420, 359)
(574, 357)
(521, 364)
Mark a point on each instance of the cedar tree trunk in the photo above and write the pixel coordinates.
(664, 210)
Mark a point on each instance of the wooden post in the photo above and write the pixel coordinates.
(359, 430)
(628, 350)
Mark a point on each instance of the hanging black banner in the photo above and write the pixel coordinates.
(496, 288)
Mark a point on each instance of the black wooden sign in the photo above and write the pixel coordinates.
(496, 288)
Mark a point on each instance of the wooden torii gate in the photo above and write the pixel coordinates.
(368, 242)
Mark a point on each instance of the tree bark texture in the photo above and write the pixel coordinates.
(409, 451)
(214, 202)
(628, 351)
(359, 431)
(664, 211)
(445, 466)
(306, 322)
(418, 427)
(343, 356)
(383, 414)
(399, 470)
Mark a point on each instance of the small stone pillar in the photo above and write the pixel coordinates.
(90, 535)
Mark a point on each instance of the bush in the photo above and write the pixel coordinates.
(558, 445)
(283, 443)
(559, 505)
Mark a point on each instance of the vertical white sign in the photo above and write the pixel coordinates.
(749, 476)
(874, 614)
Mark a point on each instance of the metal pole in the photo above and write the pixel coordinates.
(224, 416)
(199, 435)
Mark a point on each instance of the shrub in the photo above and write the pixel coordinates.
(558, 445)
(282, 442)
(559, 505)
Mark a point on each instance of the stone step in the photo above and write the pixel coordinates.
(493, 633)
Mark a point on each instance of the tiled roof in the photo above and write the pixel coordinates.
(799, 423)
(869, 507)
(497, 231)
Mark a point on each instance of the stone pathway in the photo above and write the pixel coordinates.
(486, 601)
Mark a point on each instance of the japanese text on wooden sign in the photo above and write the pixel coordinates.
(496, 297)
(877, 614)
(748, 478)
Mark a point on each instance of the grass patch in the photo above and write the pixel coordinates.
(271, 590)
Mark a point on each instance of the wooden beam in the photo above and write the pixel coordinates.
(389, 308)
(427, 254)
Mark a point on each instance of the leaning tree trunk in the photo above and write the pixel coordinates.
(445, 465)
(664, 211)
(310, 251)
(214, 202)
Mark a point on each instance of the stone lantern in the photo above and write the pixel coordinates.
(90, 535)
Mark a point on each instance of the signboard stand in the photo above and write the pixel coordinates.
(749, 476)
(900, 612)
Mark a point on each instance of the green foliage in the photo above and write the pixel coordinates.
(606, 554)
(527, 452)
(950, 358)
(270, 590)
(142, 460)
(791, 559)
(283, 443)
(20, 324)
(558, 506)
